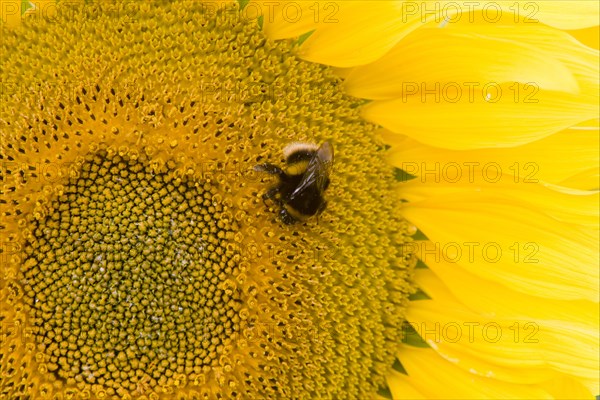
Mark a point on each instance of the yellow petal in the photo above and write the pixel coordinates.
(473, 114)
(562, 14)
(400, 387)
(577, 207)
(552, 159)
(437, 378)
(585, 180)
(588, 36)
(493, 344)
(381, 24)
(503, 241)
(581, 60)
(565, 388)
(283, 20)
(484, 365)
(490, 297)
(525, 314)
(496, 116)
(466, 55)
(375, 27)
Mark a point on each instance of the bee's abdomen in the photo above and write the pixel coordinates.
(308, 202)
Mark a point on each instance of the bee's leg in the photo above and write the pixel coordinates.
(269, 169)
(320, 210)
(286, 217)
(271, 195)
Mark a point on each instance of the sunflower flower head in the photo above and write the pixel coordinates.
(140, 257)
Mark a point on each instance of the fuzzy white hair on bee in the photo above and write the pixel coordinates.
(300, 151)
(299, 148)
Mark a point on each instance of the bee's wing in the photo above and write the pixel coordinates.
(317, 172)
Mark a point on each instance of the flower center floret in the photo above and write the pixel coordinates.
(127, 277)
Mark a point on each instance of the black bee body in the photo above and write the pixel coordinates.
(301, 186)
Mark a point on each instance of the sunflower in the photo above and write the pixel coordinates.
(140, 260)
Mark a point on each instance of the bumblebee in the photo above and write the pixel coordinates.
(302, 184)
